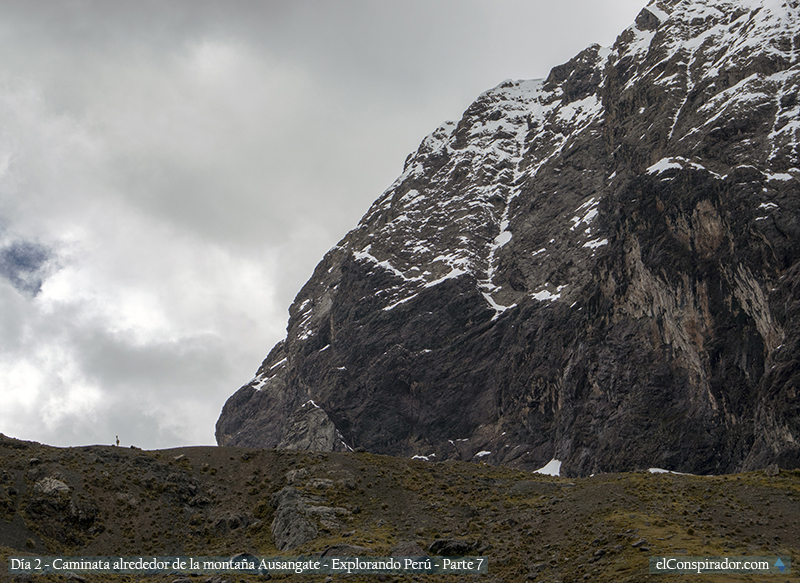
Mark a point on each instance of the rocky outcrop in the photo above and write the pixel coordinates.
(291, 527)
(310, 428)
(50, 487)
(299, 515)
(600, 267)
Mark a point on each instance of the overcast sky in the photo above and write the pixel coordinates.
(171, 173)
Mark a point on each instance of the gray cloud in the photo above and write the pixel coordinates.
(24, 264)
(186, 164)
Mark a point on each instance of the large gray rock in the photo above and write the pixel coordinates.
(310, 428)
(291, 526)
(407, 549)
(50, 486)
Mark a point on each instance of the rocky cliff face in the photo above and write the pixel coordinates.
(600, 267)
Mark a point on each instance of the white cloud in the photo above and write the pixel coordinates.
(131, 283)
(187, 164)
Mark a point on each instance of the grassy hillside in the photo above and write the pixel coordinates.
(221, 501)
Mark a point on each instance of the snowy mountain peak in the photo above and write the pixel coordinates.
(592, 267)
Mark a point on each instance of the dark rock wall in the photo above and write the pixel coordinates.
(600, 268)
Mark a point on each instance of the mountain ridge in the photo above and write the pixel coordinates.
(599, 267)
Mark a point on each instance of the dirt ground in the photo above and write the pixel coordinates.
(219, 501)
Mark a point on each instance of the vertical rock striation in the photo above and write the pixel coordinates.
(600, 267)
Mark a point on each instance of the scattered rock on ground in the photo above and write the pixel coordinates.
(451, 547)
(344, 550)
(407, 549)
(50, 486)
